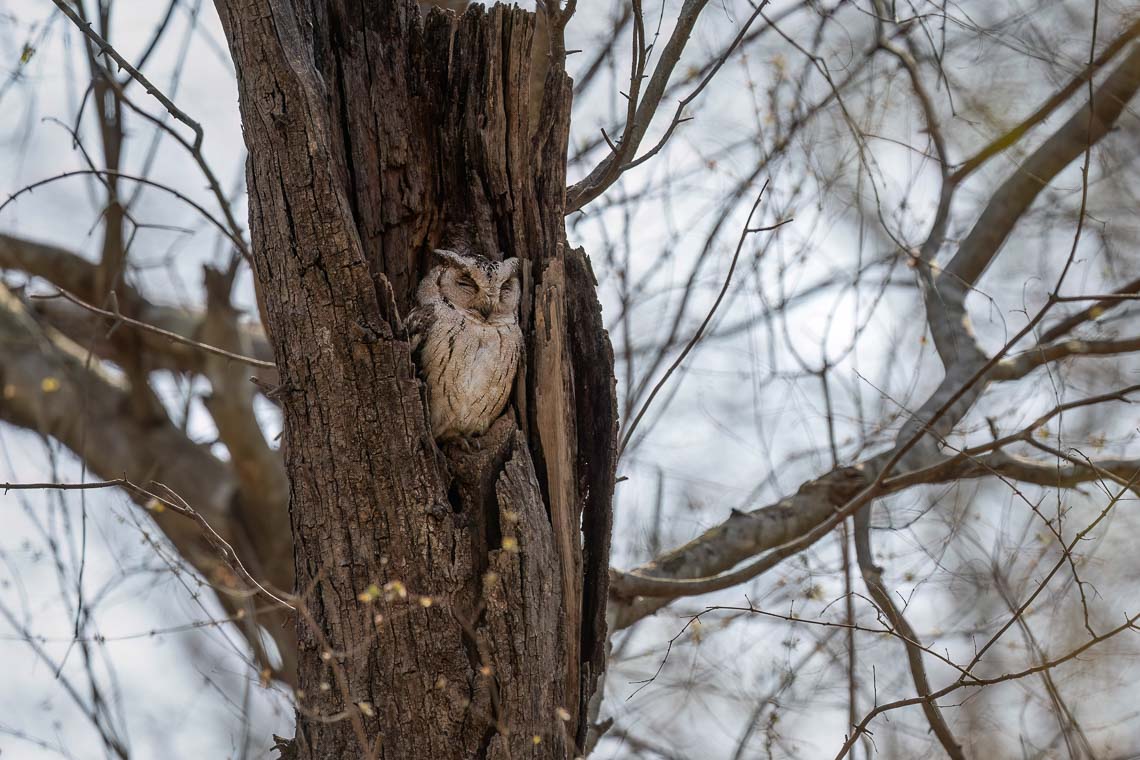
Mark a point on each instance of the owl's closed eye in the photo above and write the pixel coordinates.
(478, 287)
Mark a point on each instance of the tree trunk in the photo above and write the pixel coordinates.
(448, 606)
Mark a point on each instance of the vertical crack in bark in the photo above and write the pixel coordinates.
(554, 405)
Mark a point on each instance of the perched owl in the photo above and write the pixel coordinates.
(466, 341)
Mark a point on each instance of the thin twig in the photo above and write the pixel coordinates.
(106, 48)
(745, 232)
(123, 319)
(175, 503)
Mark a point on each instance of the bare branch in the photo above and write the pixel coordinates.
(1013, 198)
(744, 233)
(1054, 102)
(106, 48)
(70, 272)
(946, 310)
(221, 226)
(1093, 311)
(264, 487)
(118, 318)
(53, 391)
(1020, 365)
(611, 167)
(873, 578)
(158, 503)
(794, 523)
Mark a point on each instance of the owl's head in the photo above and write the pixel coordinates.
(482, 289)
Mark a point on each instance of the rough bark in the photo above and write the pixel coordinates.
(448, 608)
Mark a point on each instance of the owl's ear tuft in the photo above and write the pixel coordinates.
(450, 256)
(512, 265)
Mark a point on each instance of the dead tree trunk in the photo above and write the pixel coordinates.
(449, 606)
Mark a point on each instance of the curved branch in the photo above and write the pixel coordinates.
(1011, 137)
(1020, 365)
(707, 562)
(611, 167)
(119, 318)
(53, 390)
(71, 272)
(873, 578)
(105, 47)
(1010, 201)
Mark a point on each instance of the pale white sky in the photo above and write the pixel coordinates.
(726, 442)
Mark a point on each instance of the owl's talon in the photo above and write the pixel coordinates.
(468, 444)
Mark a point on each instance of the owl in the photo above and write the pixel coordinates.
(466, 341)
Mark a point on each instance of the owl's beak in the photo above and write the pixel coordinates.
(485, 309)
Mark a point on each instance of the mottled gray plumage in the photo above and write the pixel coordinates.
(466, 341)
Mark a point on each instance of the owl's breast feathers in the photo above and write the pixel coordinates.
(468, 365)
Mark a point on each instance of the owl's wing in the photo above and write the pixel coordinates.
(418, 324)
